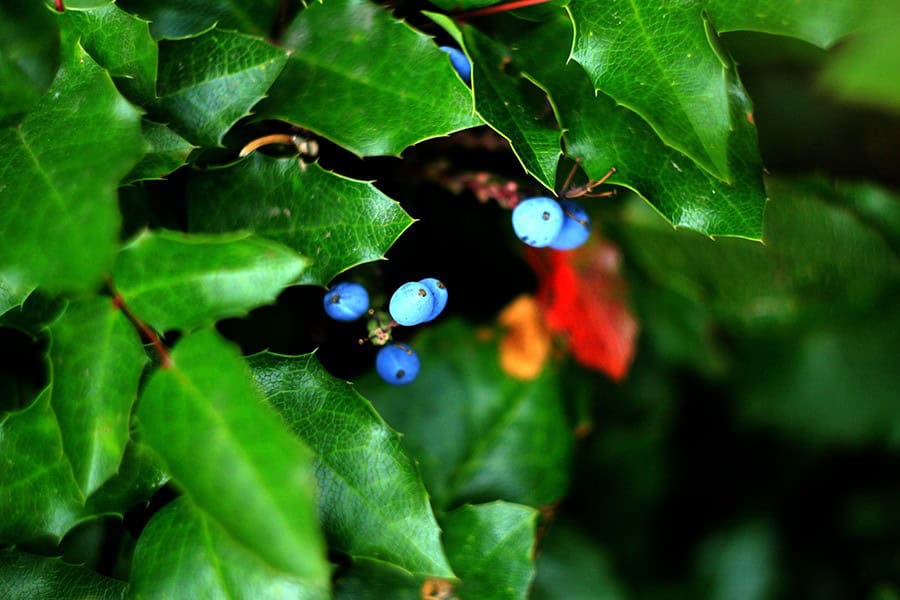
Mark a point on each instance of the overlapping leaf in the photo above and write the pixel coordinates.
(570, 565)
(373, 503)
(337, 222)
(233, 456)
(499, 437)
(209, 82)
(367, 81)
(179, 18)
(179, 281)
(27, 576)
(139, 476)
(182, 553)
(97, 361)
(12, 294)
(60, 168)
(166, 152)
(29, 55)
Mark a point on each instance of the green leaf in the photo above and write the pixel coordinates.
(13, 294)
(184, 18)
(139, 476)
(206, 84)
(182, 553)
(491, 547)
(373, 503)
(366, 81)
(119, 42)
(179, 281)
(336, 221)
(97, 361)
(167, 152)
(233, 456)
(29, 577)
(606, 135)
(60, 168)
(657, 60)
(450, 5)
(477, 434)
(39, 496)
(375, 580)
(29, 55)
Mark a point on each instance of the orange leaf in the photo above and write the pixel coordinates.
(525, 347)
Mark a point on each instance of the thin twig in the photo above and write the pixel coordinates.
(165, 359)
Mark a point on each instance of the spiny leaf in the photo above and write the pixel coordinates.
(167, 151)
(184, 18)
(60, 168)
(337, 222)
(209, 82)
(13, 294)
(366, 81)
(373, 503)
(27, 577)
(233, 456)
(179, 281)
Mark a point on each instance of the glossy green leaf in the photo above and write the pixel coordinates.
(184, 18)
(166, 152)
(209, 82)
(29, 55)
(491, 547)
(97, 361)
(373, 503)
(29, 577)
(477, 434)
(233, 455)
(13, 294)
(139, 476)
(366, 81)
(604, 135)
(657, 60)
(570, 565)
(119, 42)
(336, 221)
(60, 168)
(183, 553)
(39, 496)
(179, 281)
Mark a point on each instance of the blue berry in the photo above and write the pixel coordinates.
(439, 293)
(398, 364)
(460, 62)
(346, 301)
(576, 228)
(537, 221)
(411, 304)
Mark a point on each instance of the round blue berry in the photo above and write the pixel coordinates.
(439, 293)
(576, 228)
(411, 304)
(460, 62)
(346, 301)
(537, 221)
(398, 364)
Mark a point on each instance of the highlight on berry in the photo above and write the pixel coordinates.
(397, 364)
(346, 301)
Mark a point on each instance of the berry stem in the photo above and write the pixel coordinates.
(302, 145)
(497, 8)
(165, 359)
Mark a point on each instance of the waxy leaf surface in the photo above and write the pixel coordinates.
(184, 18)
(27, 577)
(166, 152)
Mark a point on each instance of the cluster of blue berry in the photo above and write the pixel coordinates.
(411, 304)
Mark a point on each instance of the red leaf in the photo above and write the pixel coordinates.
(583, 298)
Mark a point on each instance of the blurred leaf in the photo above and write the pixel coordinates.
(119, 42)
(336, 221)
(477, 434)
(570, 565)
(29, 55)
(206, 84)
(375, 580)
(184, 18)
(29, 577)
(449, 5)
(373, 503)
(740, 563)
(180, 281)
(878, 206)
(183, 554)
(39, 496)
(367, 81)
(233, 456)
(60, 168)
(97, 361)
(491, 548)
(167, 151)
(139, 476)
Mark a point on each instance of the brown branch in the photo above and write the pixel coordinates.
(165, 359)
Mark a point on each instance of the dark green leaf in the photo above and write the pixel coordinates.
(119, 42)
(233, 456)
(60, 169)
(338, 222)
(39, 496)
(167, 151)
(139, 476)
(373, 503)
(97, 361)
(184, 18)
(13, 294)
(463, 4)
(179, 281)
(366, 81)
(209, 82)
(184, 554)
(29, 55)
(477, 433)
(375, 580)
(570, 565)
(35, 314)
(29, 577)
(491, 547)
